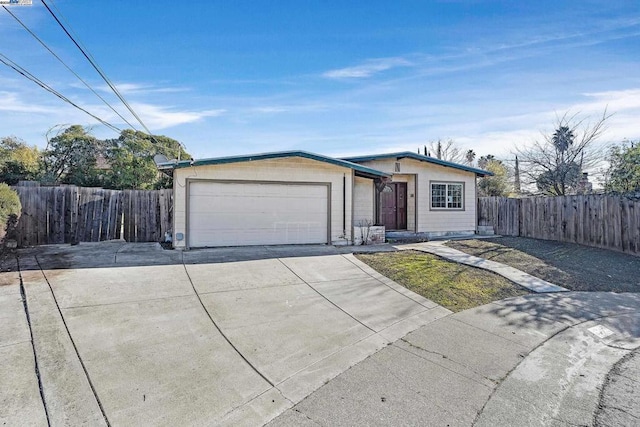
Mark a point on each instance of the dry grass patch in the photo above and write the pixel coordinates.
(575, 267)
(454, 286)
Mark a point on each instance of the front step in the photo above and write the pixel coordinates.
(486, 230)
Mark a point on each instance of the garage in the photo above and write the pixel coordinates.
(243, 213)
(280, 198)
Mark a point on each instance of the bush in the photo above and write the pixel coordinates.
(10, 208)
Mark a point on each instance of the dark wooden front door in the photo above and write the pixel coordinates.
(393, 206)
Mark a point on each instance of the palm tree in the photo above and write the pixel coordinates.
(470, 156)
(562, 139)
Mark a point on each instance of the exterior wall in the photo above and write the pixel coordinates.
(373, 235)
(432, 221)
(291, 169)
(363, 201)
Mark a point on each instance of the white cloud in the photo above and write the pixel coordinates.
(368, 69)
(157, 117)
(136, 88)
(10, 101)
(616, 100)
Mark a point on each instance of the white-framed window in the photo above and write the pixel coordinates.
(447, 195)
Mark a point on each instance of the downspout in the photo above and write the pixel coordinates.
(475, 194)
(344, 205)
(353, 187)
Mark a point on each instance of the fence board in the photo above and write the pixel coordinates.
(610, 222)
(68, 214)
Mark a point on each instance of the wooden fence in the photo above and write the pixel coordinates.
(69, 214)
(611, 222)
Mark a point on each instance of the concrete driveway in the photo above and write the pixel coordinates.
(122, 334)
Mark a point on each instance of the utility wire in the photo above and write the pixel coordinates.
(66, 66)
(97, 68)
(9, 63)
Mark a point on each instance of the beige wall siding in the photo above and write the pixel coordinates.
(363, 201)
(291, 169)
(432, 220)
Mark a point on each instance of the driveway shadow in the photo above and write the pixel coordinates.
(118, 253)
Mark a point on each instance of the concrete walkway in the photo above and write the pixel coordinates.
(517, 276)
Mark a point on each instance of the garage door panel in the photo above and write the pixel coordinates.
(236, 214)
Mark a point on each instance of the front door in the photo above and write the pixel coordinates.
(393, 206)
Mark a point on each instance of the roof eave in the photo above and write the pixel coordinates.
(419, 157)
(360, 169)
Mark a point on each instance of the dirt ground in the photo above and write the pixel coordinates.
(576, 267)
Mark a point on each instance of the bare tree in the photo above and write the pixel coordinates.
(446, 150)
(516, 178)
(555, 163)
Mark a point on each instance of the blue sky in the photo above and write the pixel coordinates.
(333, 77)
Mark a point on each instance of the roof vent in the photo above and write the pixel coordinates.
(397, 168)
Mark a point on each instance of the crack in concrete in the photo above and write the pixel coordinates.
(327, 299)
(442, 366)
(307, 417)
(134, 301)
(23, 294)
(617, 408)
(73, 343)
(263, 376)
(15, 343)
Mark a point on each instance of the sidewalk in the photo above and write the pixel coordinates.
(523, 279)
(539, 359)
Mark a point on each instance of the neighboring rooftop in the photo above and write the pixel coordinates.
(419, 157)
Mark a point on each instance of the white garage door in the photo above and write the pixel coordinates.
(241, 214)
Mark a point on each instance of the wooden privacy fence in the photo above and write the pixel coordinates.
(69, 214)
(611, 222)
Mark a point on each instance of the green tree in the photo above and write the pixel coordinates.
(71, 156)
(18, 160)
(130, 158)
(623, 175)
(560, 180)
(496, 185)
(10, 209)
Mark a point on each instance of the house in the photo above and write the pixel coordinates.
(297, 197)
(425, 194)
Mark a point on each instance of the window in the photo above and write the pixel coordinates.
(447, 195)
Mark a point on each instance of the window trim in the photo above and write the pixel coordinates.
(447, 183)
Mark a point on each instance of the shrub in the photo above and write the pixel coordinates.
(10, 209)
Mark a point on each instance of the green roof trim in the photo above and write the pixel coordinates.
(359, 169)
(419, 157)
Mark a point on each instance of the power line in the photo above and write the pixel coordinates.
(66, 66)
(11, 64)
(97, 68)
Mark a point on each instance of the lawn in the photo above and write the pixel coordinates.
(454, 286)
